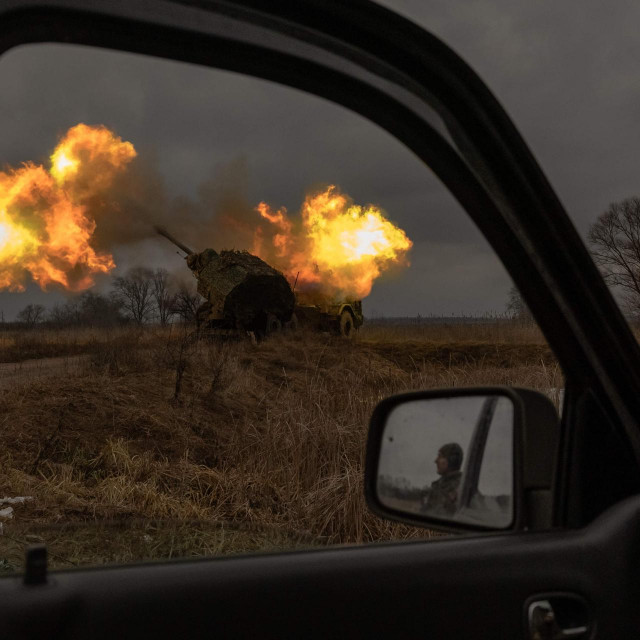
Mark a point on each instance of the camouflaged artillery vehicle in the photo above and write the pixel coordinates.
(242, 292)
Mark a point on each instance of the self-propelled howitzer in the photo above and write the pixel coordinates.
(241, 291)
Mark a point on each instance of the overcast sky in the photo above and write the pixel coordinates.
(566, 73)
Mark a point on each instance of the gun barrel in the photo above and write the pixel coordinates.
(163, 232)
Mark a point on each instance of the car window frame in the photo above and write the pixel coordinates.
(491, 172)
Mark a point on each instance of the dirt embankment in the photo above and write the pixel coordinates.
(67, 408)
(197, 401)
(412, 356)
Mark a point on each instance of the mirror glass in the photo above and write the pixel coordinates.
(450, 459)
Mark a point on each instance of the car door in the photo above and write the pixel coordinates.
(579, 558)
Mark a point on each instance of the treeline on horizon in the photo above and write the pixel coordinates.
(95, 309)
(144, 296)
(141, 296)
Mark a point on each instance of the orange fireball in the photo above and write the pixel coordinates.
(46, 228)
(339, 247)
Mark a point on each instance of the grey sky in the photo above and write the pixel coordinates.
(566, 73)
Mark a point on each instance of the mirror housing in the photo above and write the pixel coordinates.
(534, 446)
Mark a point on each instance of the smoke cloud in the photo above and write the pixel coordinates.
(62, 224)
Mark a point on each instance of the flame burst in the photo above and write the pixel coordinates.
(45, 225)
(337, 251)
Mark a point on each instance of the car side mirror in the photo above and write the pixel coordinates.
(457, 459)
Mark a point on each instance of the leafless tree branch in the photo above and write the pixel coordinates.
(614, 239)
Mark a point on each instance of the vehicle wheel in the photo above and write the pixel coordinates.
(273, 324)
(346, 325)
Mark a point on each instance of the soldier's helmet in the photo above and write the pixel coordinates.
(454, 455)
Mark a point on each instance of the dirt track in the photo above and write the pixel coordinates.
(15, 373)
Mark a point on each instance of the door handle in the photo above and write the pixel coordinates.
(558, 617)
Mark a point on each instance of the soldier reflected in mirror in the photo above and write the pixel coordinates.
(468, 480)
(441, 498)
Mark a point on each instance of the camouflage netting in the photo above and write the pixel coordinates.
(241, 288)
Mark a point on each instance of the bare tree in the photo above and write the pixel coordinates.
(516, 306)
(31, 314)
(69, 313)
(89, 308)
(58, 315)
(186, 303)
(164, 298)
(98, 309)
(134, 291)
(614, 239)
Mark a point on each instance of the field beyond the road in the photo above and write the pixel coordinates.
(141, 444)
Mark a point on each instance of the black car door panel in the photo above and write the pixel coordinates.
(478, 587)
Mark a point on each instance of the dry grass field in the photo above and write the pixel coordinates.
(146, 444)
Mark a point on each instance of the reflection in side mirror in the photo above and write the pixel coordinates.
(450, 459)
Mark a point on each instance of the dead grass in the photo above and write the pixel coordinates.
(168, 447)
